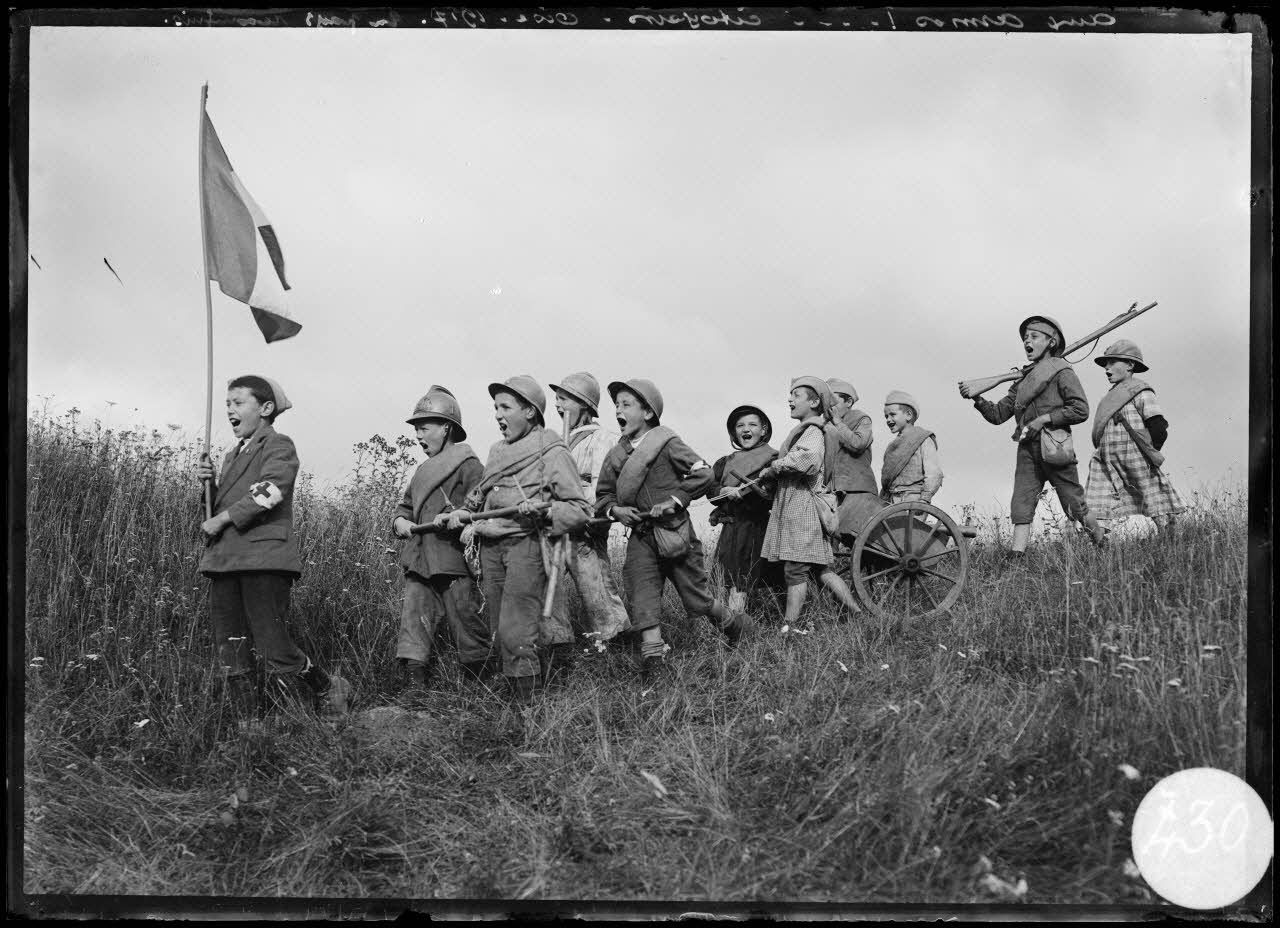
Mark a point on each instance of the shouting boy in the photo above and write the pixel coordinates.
(647, 483)
(1048, 395)
(437, 583)
(532, 471)
(252, 559)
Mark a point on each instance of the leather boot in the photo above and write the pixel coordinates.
(523, 689)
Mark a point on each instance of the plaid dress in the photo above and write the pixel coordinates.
(795, 530)
(1122, 482)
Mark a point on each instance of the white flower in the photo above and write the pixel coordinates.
(92, 657)
(291, 771)
(884, 666)
(1131, 869)
(768, 716)
(784, 629)
(843, 668)
(1130, 772)
(142, 723)
(1116, 816)
(1175, 682)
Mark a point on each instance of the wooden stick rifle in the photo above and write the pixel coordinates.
(980, 385)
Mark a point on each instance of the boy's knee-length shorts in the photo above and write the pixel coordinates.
(644, 574)
(426, 602)
(1029, 476)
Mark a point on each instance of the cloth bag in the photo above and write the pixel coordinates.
(824, 499)
(673, 542)
(1056, 447)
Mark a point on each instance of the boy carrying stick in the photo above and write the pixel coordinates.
(252, 559)
(647, 483)
(1048, 395)
(532, 470)
(437, 583)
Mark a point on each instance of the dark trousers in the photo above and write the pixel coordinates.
(514, 580)
(426, 602)
(1029, 476)
(248, 611)
(644, 574)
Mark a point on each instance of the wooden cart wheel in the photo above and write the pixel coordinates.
(909, 562)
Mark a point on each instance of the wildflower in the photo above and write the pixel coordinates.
(1130, 772)
(1131, 869)
(884, 666)
(1175, 682)
(1116, 816)
(92, 657)
(644, 693)
(658, 789)
(843, 668)
(935, 852)
(998, 887)
(291, 771)
(784, 629)
(768, 716)
(142, 723)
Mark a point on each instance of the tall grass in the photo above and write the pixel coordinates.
(847, 763)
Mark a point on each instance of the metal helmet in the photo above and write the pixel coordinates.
(645, 389)
(748, 409)
(1048, 326)
(826, 398)
(439, 403)
(1123, 350)
(582, 387)
(527, 389)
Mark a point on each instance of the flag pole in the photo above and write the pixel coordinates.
(208, 307)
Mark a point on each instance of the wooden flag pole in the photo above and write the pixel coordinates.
(208, 307)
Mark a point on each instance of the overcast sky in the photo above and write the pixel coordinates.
(718, 212)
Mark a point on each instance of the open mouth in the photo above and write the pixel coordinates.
(622, 423)
(235, 424)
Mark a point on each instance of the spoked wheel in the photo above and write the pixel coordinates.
(909, 562)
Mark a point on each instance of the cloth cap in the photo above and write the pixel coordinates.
(741, 411)
(1047, 326)
(1123, 350)
(826, 398)
(645, 389)
(582, 387)
(525, 387)
(277, 393)
(439, 403)
(843, 386)
(902, 398)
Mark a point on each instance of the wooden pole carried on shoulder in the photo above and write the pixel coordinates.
(980, 385)
(208, 307)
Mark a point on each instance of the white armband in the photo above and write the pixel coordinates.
(266, 494)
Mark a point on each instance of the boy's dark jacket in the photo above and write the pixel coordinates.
(670, 474)
(440, 484)
(1062, 398)
(258, 539)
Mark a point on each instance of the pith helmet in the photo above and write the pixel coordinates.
(645, 389)
(582, 387)
(1049, 327)
(741, 411)
(902, 398)
(819, 386)
(439, 403)
(526, 388)
(843, 386)
(1123, 350)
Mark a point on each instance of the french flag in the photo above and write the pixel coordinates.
(241, 249)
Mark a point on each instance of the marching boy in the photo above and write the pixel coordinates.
(795, 535)
(252, 556)
(577, 403)
(647, 482)
(437, 583)
(1129, 429)
(910, 470)
(532, 470)
(1048, 395)
(743, 513)
(848, 459)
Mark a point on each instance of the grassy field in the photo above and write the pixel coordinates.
(944, 765)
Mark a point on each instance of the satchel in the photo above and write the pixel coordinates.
(1056, 447)
(828, 507)
(673, 542)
